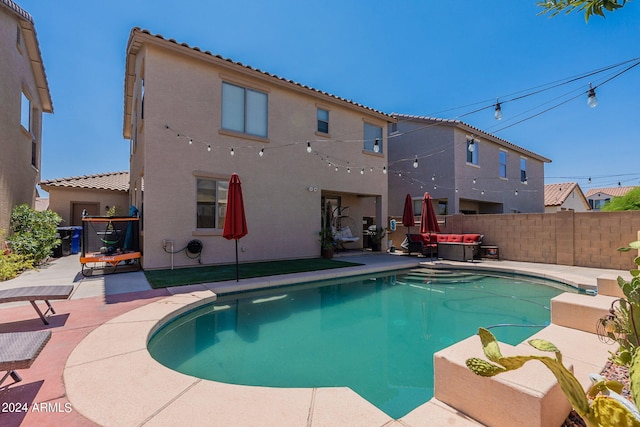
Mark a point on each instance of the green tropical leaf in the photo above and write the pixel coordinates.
(543, 345)
(489, 345)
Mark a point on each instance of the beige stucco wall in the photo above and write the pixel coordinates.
(18, 177)
(62, 199)
(443, 170)
(183, 91)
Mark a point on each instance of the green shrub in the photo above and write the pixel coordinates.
(13, 264)
(33, 233)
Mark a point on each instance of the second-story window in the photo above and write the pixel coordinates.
(25, 113)
(372, 138)
(503, 164)
(472, 151)
(323, 120)
(523, 170)
(244, 110)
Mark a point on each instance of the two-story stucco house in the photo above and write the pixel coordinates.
(194, 118)
(464, 169)
(24, 96)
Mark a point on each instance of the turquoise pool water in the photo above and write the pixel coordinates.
(376, 335)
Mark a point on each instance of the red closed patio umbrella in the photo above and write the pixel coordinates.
(428, 219)
(408, 217)
(235, 223)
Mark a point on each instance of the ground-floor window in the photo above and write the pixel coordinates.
(211, 203)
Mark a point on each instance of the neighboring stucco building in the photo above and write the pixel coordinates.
(24, 96)
(564, 196)
(597, 197)
(464, 169)
(96, 194)
(194, 118)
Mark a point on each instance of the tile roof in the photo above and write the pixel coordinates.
(611, 191)
(118, 181)
(33, 49)
(556, 194)
(472, 129)
(134, 44)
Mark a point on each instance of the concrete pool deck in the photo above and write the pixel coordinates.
(97, 361)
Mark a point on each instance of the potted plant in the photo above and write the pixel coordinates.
(326, 242)
(376, 237)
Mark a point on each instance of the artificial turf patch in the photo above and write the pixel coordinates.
(218, 273)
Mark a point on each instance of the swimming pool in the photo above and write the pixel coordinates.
(376, 334)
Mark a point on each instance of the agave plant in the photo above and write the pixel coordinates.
(607, 408)
(622, 323)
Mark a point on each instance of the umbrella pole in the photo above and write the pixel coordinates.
(237, 273)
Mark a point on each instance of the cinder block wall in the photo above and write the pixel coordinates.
(585, 239)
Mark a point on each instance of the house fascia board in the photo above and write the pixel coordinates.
(33, 50)
(473, 131)
(140, 37)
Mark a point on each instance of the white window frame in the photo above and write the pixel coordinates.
(370, 133)
(217, 203)
(472, 156)
(25, 112)
(322, 120)
(247, 113)
(503, 163)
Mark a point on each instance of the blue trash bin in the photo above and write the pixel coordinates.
(75, 239)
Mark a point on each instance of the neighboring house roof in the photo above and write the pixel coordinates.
(33, 48)
(138, 36)
(556, 194)
(118, 181)
(611, 191)
(473, 130)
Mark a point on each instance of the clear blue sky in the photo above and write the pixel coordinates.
(421, 57)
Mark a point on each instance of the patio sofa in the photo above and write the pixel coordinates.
(454, 247)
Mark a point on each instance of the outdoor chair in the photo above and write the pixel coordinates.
(344, 235)
(37, 293)
(18, 350)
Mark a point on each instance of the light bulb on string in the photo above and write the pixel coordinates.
(474, 180)
(336, 168)
(415, 163)
(261, 153)
(472, 145)
(362, 171)
(498, 111)
(456, 189)
(348, 170)
(209, 147)
(190, 141)
(516, 191)
(482, 192)
(376, 146)
(308, 147)
(232, 152)
(384, 170)
(592, 101)
(433, 177)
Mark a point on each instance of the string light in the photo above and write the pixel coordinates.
(362, 171)
(190, 141)
(209, 147)
(474, 180)
(516, 191)
(415, 163)
(498, 111)
(592, 101)
(308, 147)
(433, 177)
(232, 152)
(261, 153)
(384, 170)
(376, 146)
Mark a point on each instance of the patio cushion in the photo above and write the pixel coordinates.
(455, 238)
(471, 238)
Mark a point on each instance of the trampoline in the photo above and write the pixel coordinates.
(110, 242)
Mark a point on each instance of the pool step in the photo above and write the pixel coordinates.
(579, 311)
(526, 397)
(440, 276)
(608, 285)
